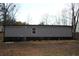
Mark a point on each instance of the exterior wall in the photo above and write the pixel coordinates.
(1, 37)
(1, 34)
(40, 31)
(77, 35)
(1, 29)
(77, 28)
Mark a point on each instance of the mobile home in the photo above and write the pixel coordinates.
(38, 31)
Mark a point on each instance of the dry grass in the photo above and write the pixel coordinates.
(41, 48)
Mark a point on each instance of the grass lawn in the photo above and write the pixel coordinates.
(41, 48)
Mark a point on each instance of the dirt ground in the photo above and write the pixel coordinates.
(40, 48)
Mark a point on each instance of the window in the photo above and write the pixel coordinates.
(33, 30)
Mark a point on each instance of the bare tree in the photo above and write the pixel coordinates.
(64, 17)
(29, 18)
(41, 23)
(45, 19)
(8, 12)
(75, 17)
(58, 21)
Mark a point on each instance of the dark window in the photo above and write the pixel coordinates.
(33, 30)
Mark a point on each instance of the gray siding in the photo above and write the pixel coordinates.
(1, 29)
(40, 31)
(77, 28)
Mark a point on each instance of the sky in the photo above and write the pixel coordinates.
(33, 12)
